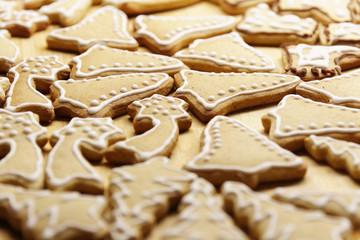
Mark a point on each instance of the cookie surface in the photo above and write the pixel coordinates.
(240, 6)
(142, 194)
(233, 151)
(168, 34)
(81, 141)
(263, 26)
(106, 96)
(9, 52)
(100, 60)
(80, 37)
(22, 138)
(339, 90)
(211, 94)
(266, 218)
(225, 53)
(296, 118)
(340, 33)
(4, 87)
(311, 62)
(159, 119)
(31, 77)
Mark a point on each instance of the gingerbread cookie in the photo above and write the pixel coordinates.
(336, 203)
(22, 138)
(80, 37)
(311, 62)
(169, 34)
(31, 77)
(66, 12)
(82, 140)
(23, 23)
(201, 215)
(263, 26)
(267, 219)
(159, 119)
(341, 155)
(240, 6)
(100, 60)
(142, 194)
(147, 6)
(340, 90)
(324, 11)
(340, 33)
(225, 53)
(11, 5)
(36, 4)
(101, 99)
(233, 151)
(212, 94)
(296, 118)
(9, 52)
(4, 87)
(49, 215)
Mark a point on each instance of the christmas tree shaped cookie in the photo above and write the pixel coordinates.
(201, 214)
(296, 118)
(225, 53)
(43, 214)
(9, 53)
(311, 62)
(268, 219)
(339, 90)
(106, 96)
(82, 140)
(31, 77)
(212, 94)
(23, 23)
(100, 60)
(336, 203)
(159, 119)
(143, 193)
(338, 154)
(80, 37)
(169, 34)
(21, 139)
(233, 151)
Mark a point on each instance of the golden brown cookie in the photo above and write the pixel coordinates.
(340, 90)
(263, 26)
(66, 12)
(4, 87)
(296, 118)
(337, 203)
(9, 52)
(106, 96)
(81, 36)
(169, 34)
(142, 194)
(265, 218)
(99, 61)
(147, 6)
(233, 151)
(240, 6)
(81, 141)
(225, 53)
(23, 23)
(340, 33)
(42, 214)
(201, 214)
(30, 78)
(311, 62)
(212, 94)
(159, 119)
(21, 140)
(36, 4)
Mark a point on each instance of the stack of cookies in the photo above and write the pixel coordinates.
(180, 119)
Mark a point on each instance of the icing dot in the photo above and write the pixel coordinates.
(212, 54)
(112, 92)
(92, 134)
(37, 64)
(282, 80)
(139, 65)
(25, 69)
(34, 71)
(79, 123)
(47, 66)
(19, 120)
(94, 103)
(301, 127)
(96, 123)
(117, 64)
(70, 131)
(252, 62)
(223, 57)
(13, 133)
(6, 126)
(173, 107)
(327, 124)
(31, 59)
(156, 102)
(264, 84)
(27, 130)
(254, 86)
(232, 89)
(242, 87)
(171, 100)
(103, 129)
(151, 64)
(1, 135)
(165, 112)
(287, 129)
(191, 51)
(102, 97)
(242, 60)
(147, 104)
(154, 79)
(145, 83)
(91, 68)
(275, 82)
(103, 65)
(211, 98)
(123, 90)
(9, 117)
(221, 93)
(232, 58)
(352, 125)
(341, 124)
(313, 126)
(155, 111)
(44, 70)
(27, 123)
(128, 64)
(164, 63)
(159, 107)
(134, 86)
